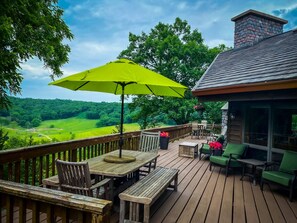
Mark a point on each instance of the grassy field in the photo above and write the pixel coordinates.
(66, 129)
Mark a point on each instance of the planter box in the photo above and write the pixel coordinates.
(164, 141)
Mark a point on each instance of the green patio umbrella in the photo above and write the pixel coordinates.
(122, 77)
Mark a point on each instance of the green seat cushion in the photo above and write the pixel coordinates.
(289, 162)
(236, 150)
(222, 160)
(278, 177)
(205, 149)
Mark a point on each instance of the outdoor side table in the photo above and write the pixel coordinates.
(254, 163)
(188, 149)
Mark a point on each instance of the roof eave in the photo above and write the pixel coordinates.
(263, 86)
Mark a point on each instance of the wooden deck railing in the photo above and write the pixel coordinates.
(26, 203)
(32, 164)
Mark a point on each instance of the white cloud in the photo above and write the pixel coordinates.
(34, 69)
(88, 54)
(182, 5)
(216, 42)
(101, 30)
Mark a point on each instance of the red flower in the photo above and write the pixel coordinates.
(164, 134)
(215, 145)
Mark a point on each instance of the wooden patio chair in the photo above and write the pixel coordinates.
(149, 142)
(285, 176)
(195, 129)
(229, 157)
(75, 177)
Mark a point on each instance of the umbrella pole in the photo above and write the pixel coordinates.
(122, 122)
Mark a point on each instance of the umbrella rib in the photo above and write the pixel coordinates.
(150, 89)
(176, 91)
(116, 87)
(81, 85)
(123, 84)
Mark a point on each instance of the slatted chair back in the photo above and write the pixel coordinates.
(74, 177)
(204, 123)
(194, 126)
(149, 141)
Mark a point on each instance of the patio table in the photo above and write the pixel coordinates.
(115, 171)
(252, 162)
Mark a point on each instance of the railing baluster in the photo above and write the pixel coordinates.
(47, 166)
(26, 180)
(33, 171)
(10, 171)
(17, 170)
(40, 174)
(53, 164)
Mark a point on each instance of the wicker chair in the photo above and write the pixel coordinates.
(149, 142)
(75, 177)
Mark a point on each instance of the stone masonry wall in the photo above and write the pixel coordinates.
(225, 121)
(252, 28)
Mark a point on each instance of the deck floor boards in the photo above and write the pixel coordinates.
(208, 196)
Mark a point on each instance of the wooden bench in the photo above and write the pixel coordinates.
(146, 191)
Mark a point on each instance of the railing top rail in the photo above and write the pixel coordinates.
(40, 150)
(58, 198)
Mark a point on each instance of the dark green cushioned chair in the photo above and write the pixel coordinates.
(205, 149)
(229, 158)
(285, 176)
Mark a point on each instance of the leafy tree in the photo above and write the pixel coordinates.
(28, 29)
(36, 122)
(92, 115)
(178, 53)
(213, 111)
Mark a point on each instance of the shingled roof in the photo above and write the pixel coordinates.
(269, 61)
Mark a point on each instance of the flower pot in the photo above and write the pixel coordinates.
(216, 152)
(164, 141)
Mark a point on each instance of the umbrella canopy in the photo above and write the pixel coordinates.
(122, 77)
(109, 78)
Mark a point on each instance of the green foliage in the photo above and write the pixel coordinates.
(16, 141)
(117, 129)
(92, 115)
(3, 139)
(36, 122)
(30, 113)
(178, 53)
(65, 129)
(213, 111)
(30, 29)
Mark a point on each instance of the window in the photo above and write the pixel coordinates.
(285, 129)
(256, 126)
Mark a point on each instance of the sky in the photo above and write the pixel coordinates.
(101, 29)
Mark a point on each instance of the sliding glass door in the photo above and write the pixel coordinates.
(271, 127)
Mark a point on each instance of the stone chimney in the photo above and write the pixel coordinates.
(252, 26)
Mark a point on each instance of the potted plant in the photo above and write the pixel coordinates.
(216, 148)
(164, 140)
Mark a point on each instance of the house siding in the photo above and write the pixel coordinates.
(235, 123)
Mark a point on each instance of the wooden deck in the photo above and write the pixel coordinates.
(208, 196)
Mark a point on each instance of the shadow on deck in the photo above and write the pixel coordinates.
(208, 196)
